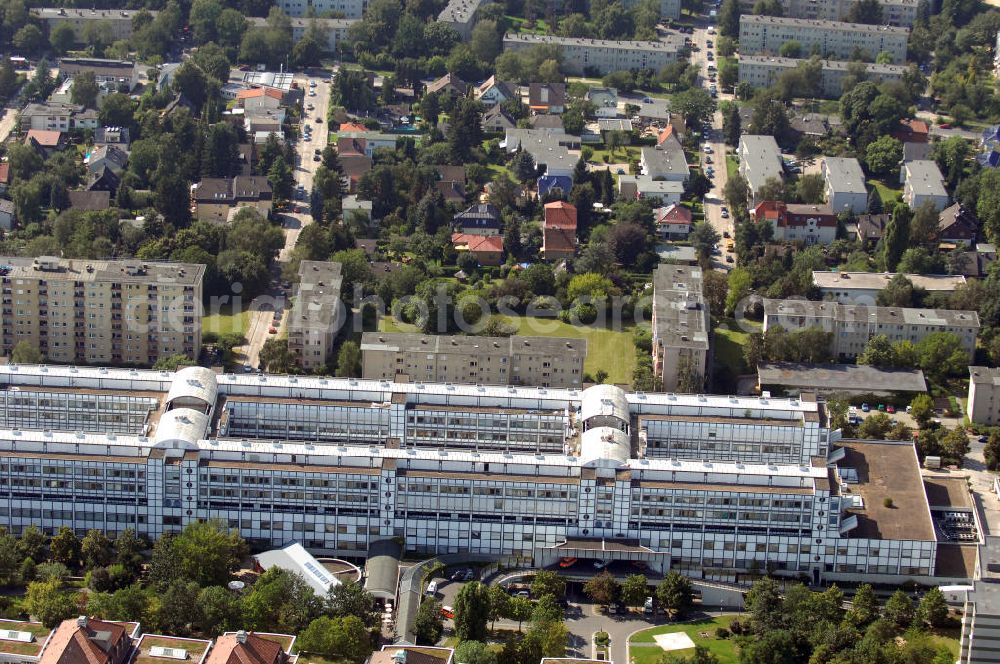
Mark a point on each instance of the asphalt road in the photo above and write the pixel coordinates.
(262, 310)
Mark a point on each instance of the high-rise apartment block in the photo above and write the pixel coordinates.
(516, 360)
(900, 13)
(764, 35)
(101, 311)
(680, 327)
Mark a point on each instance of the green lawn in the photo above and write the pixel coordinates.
(389, 323)
(609, 350)
(732, 166)
(948, 638)
(225, 321)
(729, 348)
(723, 649)
(620, 156)
(886, 193)
(517, 25)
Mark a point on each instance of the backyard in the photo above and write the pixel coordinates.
(887, 193)
(225, 321)
(645, 650)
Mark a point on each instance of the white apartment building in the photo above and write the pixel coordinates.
(316, 314)
(460, 15)
(101, 311)
(844, 183)
(680, 325)
(118, 21)
(823, 517)
(764, 35)
(333, 31)
(864, 287)
(984, 395)
(900, 13)
(515, 360)
(760, 161)
(601, 56)
(922, 181)
(353, 9)
(762, 71)
(854, 325)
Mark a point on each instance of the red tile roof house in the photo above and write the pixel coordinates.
(86, 640)
(912, 131)
(809, 224)
(251, 648)
(673, 222)
(559, 231)
(488, 249)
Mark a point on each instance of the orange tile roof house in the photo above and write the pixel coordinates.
(673, 222)
(259, 98)
(559, 231)
(488, 249)
(811, 224)
(86, 640)
(248, 648)
(912, 131)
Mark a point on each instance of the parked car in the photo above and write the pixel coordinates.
(865, 407)
(432, 588)
(707, 148)
(447, 612)
(523, 594)
(601, 564)
(983, 439)
(567, 562)
(247, 368)
(725, 215)
(890, 409)
(729, 259)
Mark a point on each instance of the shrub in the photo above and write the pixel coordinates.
(887, 503)
(721, 633)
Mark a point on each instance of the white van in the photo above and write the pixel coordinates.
(432, 588)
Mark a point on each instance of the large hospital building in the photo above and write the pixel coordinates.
(684, 482)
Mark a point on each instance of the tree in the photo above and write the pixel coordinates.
(519, 609)
(882, 156)
(810, 189)
(29, 40)
(351, 599)
(740, 287)
(275, 356)
(635, 589)
(603, 588)
(499, 599)
(896, 238)
(729, 18)
(178, 606)
(428, 625)
(349, 360)
(933, 609)
(790, 49)
(465, 130)
(208, 553)
(218, 611)
(736, 192)
(941, 355)
(763, 603)
(922, 409)
(25, 353)
(955, 444)
(475, 652)
(703, 238)
(344, 639)
(65, 547)
(770, 117)
(878, 352)
(10, 561)
(522, 165)
(991, 451)
(696, 105)
(547, 582)
(32, 544)
(472, 611)
(865, 11)
(551, 638)
(899, 610)
(281, 178)
(48, 602)
(675, 595)
(62, 38)
(924, 230)
(864, 606)
(875, 427)
(281, 600)
(874, 202)
(96, 549)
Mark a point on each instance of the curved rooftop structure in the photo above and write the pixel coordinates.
(602, 444)
(604, 405)
(181, 428)
(193, 387)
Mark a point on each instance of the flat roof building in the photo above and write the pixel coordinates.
(844, 185)
(901, 13)
(317, 314)
(680, 328)
(460, 15)
(922, 182)
(101, 311)
(349, 9)
(762, 71)
(765, 35)
(760, 161)
(333, 31)
(515, 360)
(832, 379)
(864, 287)
(119, 21)
(396, 460)
(853, 325)
(602, 56)
(983, 405)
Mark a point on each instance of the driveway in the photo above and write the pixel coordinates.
(261, 312)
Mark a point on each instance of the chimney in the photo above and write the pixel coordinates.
(81, 621)
(241, 636)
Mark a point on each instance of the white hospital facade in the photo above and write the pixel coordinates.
(688, 482)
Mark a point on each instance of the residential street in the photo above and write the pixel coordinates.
(262, 310)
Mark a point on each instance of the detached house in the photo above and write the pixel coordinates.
(496, 121)
(665, 161)
(544, 98)
(673, 222)
(107, 156)
(479, 219)
(810, 224)
(491, 91)
(266, 98)
(86, 640)
(958, 225)
(216, 198)
(488, 249)
(559, 231)
(448, 84)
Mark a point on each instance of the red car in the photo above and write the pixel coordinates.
(945, 125)
(890, 409)
(272, 330)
